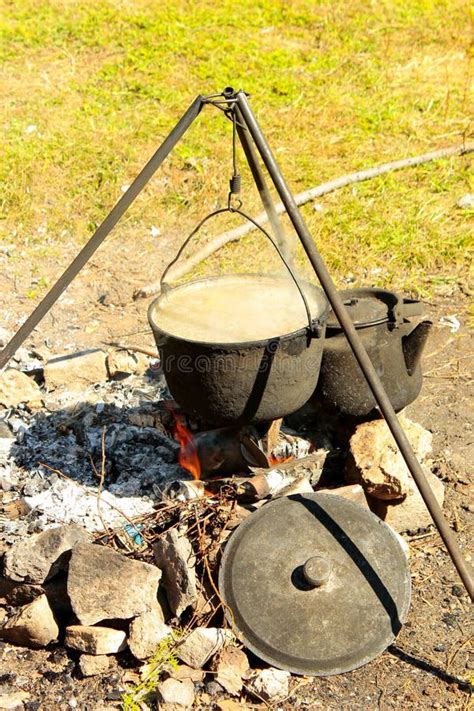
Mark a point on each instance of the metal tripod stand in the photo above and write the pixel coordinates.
(253, 142)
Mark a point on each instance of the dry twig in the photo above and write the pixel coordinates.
(101, 478)
(454, 654)
(133, 349)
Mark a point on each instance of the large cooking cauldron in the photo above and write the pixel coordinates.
(240, 348)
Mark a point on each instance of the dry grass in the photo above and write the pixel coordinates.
(90, 89)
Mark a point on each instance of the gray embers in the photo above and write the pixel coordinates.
(66, 435)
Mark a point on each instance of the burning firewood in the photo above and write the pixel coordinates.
(267, 482)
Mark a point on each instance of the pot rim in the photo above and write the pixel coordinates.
(320, 321)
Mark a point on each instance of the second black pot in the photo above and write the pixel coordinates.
(393, 342)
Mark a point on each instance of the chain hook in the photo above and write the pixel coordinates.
(235, 182)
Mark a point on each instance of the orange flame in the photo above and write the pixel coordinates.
(188, 455)
(278, 460)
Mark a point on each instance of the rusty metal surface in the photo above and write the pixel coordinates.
(316, 584)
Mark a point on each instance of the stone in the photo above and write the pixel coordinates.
(7, 440)
(213, 688)
(16, 388)
(375, 462)
(122, 363)
(353, 492)
(176, 692)
(37, 558)
(185, 672)
(466, 202)
(5, 336)
(269, 683)
(409, 514)
(200, 645)
(91, 665)
(32, 626)
(75, 371)
(56, 592)
(13, 701)
(95, 640)
(146, 632)
(104, 585)
(18, 594)
(174, 555)
(231, 666)
(229, 705)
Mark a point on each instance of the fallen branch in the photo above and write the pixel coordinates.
(237, 233)
(133, 349)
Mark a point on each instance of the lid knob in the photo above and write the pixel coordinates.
(316, 571)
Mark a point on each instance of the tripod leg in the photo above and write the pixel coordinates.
(263, 190)
(355, 343)
(101, 233)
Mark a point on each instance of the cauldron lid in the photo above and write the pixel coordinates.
(367, 307)
(315, 584)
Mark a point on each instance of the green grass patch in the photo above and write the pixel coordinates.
(90, 89)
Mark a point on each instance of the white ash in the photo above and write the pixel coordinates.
(67, 436)
(67, 502)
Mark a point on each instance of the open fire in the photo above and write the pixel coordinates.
(188, 456)
(225, 451)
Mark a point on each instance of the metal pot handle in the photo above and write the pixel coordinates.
(314, 329)
(406, 308)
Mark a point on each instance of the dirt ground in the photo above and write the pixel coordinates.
(431, 662)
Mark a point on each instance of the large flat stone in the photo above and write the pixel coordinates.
(16, 388)
(38, 557)
(375, 461)
(105, 585)
(95, 640)
(410, 513)
(32, 626)
(75, 371)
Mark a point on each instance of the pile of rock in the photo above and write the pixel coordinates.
(72, 372)
(60, 588)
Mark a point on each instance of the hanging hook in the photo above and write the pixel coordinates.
(235, 182)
